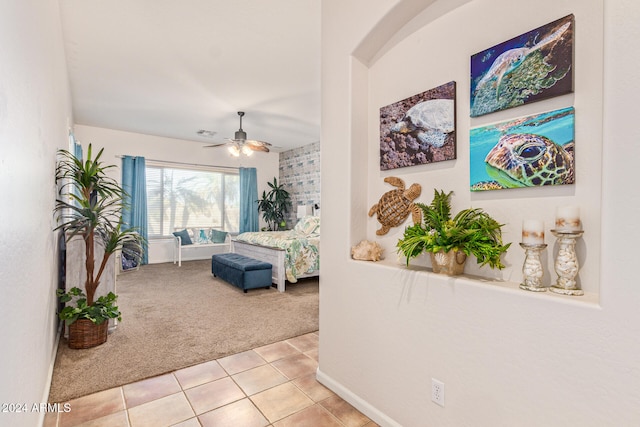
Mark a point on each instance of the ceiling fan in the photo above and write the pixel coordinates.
(240, 143)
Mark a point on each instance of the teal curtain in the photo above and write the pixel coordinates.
(135, 184)
(248, 200)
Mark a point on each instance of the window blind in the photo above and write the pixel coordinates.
(191, 196)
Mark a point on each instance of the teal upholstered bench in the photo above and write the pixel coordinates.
(241, 271)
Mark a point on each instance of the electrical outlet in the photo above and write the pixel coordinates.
(437, 391)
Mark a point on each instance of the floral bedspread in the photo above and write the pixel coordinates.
(302, 251)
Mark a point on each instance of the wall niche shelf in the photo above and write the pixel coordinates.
(420, 275)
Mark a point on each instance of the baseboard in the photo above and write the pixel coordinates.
(356, 401)
(47, 389)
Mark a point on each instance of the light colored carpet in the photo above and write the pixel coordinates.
(174, 317)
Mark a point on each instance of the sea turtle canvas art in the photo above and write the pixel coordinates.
(420, 129)
(530, 151)
(534, 66)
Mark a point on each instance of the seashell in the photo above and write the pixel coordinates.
(367, 251)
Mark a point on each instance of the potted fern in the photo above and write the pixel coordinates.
(89, 206)
(449, 240)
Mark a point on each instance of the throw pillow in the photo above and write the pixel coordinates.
(184, 237)
(218, 236)
(308, 225)
(203, 236)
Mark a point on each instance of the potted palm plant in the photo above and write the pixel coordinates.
(89, 206)
(449, 240)
(274, 206)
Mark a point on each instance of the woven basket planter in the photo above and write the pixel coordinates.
(83, 333)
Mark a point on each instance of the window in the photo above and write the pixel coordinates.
(195, 197)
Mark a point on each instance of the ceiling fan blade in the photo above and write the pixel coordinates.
(248, 142)
(257, 147)
(220, 144)
(257, 143)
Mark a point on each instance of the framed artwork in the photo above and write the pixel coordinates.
(533, 66)
(530, 151)
(420, 129)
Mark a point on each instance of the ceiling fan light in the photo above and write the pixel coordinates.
(246, 150)
(234, 151)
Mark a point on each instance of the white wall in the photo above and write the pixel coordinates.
(389, 83)
(34, 115)
(118, 143)
(507, 356)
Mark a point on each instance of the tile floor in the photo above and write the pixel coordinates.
(273, 385)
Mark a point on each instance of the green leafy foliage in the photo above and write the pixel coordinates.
(472, 231)
(274, 205)
(103, 308)
(90, 205)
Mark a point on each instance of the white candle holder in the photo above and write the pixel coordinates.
(566, 264)
(532, 268)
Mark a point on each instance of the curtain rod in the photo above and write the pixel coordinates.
(120, 156)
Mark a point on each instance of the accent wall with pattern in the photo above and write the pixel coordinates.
(300, 174)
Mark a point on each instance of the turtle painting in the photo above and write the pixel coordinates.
(510, 60)
(420, 129)
(430, 121)
(529, 160)
(533, 66)
(531, 151)
(396, 205)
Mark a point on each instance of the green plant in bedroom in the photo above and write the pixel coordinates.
(471, 231)
(89, 206)
(274, 206)
(102, 309)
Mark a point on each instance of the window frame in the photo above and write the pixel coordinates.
(162, 165)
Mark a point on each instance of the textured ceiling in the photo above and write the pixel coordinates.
(170, 68)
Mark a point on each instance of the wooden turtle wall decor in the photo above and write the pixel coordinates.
(395, 205)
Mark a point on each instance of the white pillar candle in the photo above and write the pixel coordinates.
(533, 232)
(568, 218)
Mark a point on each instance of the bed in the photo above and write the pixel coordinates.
(294, 254)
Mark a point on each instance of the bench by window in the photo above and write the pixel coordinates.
(199, 243)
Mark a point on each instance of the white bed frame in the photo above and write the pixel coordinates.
(274, 256)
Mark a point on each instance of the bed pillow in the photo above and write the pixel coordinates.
(184, 237)
(218, 236)
(308, 225)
